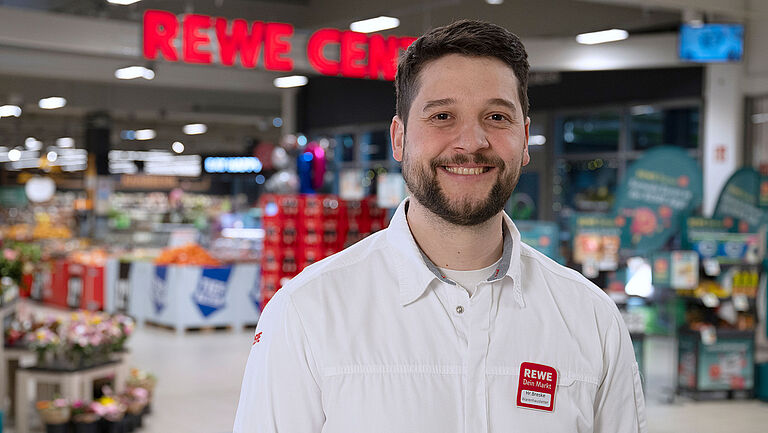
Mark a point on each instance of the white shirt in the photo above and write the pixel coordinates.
(372, 339)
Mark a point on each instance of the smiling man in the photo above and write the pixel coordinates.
(445, 321)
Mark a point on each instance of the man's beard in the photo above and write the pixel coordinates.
(426, 189)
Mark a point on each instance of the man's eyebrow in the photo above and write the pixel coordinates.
(438, 103)
(503, 102)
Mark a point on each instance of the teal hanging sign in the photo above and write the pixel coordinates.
(740, 200)
(659, 190)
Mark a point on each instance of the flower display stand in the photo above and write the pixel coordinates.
(75, 385)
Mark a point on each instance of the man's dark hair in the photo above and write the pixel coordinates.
(466, 37)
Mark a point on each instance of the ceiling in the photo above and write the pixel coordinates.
(235, 115)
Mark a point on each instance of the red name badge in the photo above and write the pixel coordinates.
(536, 389)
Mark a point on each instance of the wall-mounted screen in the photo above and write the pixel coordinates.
(712, 43)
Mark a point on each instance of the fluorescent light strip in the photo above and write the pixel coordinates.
(145, 134)
(602, 37)
(10, 111)
(195, 128)
(375, 24)
(133, 72)
(65, 142)
(291, 81)
(243, 233)
(52, 103)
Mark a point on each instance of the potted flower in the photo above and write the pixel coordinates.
(135, 400)
(111, 412)
(121, 328)
(10, 275)
(55, 414)
(44, 341)
(84, 418)
(143, 379)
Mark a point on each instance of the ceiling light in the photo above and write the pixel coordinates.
(145, 134)
(65, 142)
(123, 2)
(133, 72)
(195, 128)
(537, 140)
(602, 37)
(177, 146)
(292, 81)
(52, 156)
(52, 103)
(14, 155)
(494, 2)
(375, 24)
(10, 111)
(33, 144)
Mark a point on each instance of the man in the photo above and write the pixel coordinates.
(445, 321)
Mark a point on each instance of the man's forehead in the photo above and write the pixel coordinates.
(457, 79)
(473, 70)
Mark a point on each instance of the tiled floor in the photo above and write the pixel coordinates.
(199, 384)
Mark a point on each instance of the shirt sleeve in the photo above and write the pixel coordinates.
(619, 403)
(280, 391)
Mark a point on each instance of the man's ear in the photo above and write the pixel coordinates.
(526, 156)
(397, 132)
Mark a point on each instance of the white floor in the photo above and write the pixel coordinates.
(199, 384)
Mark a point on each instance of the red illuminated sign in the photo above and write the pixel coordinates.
(360, 55)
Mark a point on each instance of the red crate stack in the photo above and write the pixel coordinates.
(303, 229)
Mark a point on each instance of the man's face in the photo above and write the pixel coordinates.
(466, 140)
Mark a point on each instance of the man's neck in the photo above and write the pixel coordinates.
(455, 247)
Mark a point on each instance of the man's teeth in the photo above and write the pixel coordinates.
(466, 171)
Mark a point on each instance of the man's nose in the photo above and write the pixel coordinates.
(472, 137)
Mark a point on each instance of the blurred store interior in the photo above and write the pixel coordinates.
(165, 166)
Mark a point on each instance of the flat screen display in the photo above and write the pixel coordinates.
(712, 43)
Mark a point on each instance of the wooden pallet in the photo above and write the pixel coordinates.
(189, 329)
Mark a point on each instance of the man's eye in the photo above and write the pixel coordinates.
(498, 117)
(442, 116)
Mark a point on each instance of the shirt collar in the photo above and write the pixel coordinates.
(417, 271)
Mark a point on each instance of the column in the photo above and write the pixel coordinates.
(723, 122)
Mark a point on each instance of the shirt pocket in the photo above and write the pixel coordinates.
(573, 410)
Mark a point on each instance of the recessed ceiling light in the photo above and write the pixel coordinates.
(52, 103)
(374, 24)
(177, 146)
(494, 2)
(602, 37)
(52, 156)
(14, 155)
(291, 81)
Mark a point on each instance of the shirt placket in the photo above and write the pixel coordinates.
(476, 397)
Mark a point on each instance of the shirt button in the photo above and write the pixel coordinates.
(459, 309)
